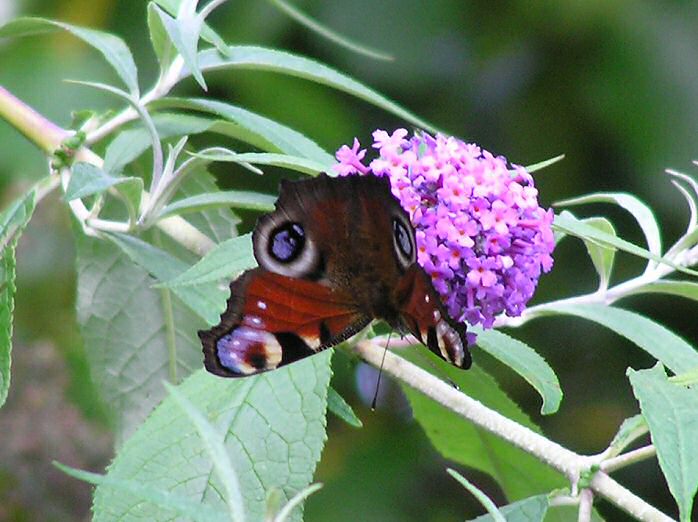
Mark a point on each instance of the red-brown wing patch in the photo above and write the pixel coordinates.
(424, 315)
(272, 320)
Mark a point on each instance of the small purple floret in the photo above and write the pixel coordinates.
(481, 234)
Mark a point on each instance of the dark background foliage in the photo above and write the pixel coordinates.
(612, 85)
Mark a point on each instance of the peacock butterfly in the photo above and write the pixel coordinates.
(335, 254)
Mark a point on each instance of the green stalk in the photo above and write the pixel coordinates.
(36, 128)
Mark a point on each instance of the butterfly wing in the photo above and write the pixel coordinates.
(424, 315)
(272, 320)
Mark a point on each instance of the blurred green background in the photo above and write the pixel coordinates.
(612, 85)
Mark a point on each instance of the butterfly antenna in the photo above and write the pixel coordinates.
(380, 373)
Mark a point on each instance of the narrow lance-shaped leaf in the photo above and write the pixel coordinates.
(183, 32)
(641, 212)
(687, 289)
(690, 199)
(479, 495)
(274, 429)
(337, 405)
(112, 48)
(231, 198)
(254, 129)
(544, 164)
(259, 58)
(672, 414)
(602, 256)
(208, 34)
(162, 45)
(532, 509)
(630, 430)
(574, 227)
(518, 473)
(88, 180)
(286, 161)
(12, 223)
(313, 25)
(652, 337)
(130, 144)
(285, 512)
(688, 378)
(526, 362)
(226, 260)
(180, 505)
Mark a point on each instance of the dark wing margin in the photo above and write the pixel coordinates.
(272, 320)
(425, 316)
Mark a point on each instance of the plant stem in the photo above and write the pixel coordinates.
(606, 297)
(566, 461)
(628, 458)
(48, 137)
(164, 85)
(585, 503)
(35, 127)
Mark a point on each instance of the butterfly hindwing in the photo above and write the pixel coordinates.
(426, 318)
(272, 320)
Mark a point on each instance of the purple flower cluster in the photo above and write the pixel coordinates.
(481, 234)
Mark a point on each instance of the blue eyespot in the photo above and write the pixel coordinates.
(402, 238)
(287, 242)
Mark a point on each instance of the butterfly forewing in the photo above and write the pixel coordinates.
(272, 320)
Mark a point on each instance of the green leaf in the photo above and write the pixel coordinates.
(227, 260)
(672, 415)
(337, 405)
(254, 129)
(526, 362)
(479, 495)
(87, 180)
(204, 299)
(12, 223)
(231, 198)
(184, 34)
(162, 45)
(213, 442)
(518, 473)
(180, 505)
(655, 339)
(314, 26)
(690, 200)
(259, 58)
(112, 48)
(630, 430)
(130, 144)
(641, 212)
(274, 426)
(218, 223)
(688, 378)
(125, 326)
(286, 161)
(531, 509)
(601, 256)
(285, 512)
(685, 289)
(545, 163)
(208, 34)
(570, 225)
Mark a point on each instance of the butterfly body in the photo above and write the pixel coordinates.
(334, 255)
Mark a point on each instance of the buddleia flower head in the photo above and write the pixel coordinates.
(481, 234)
